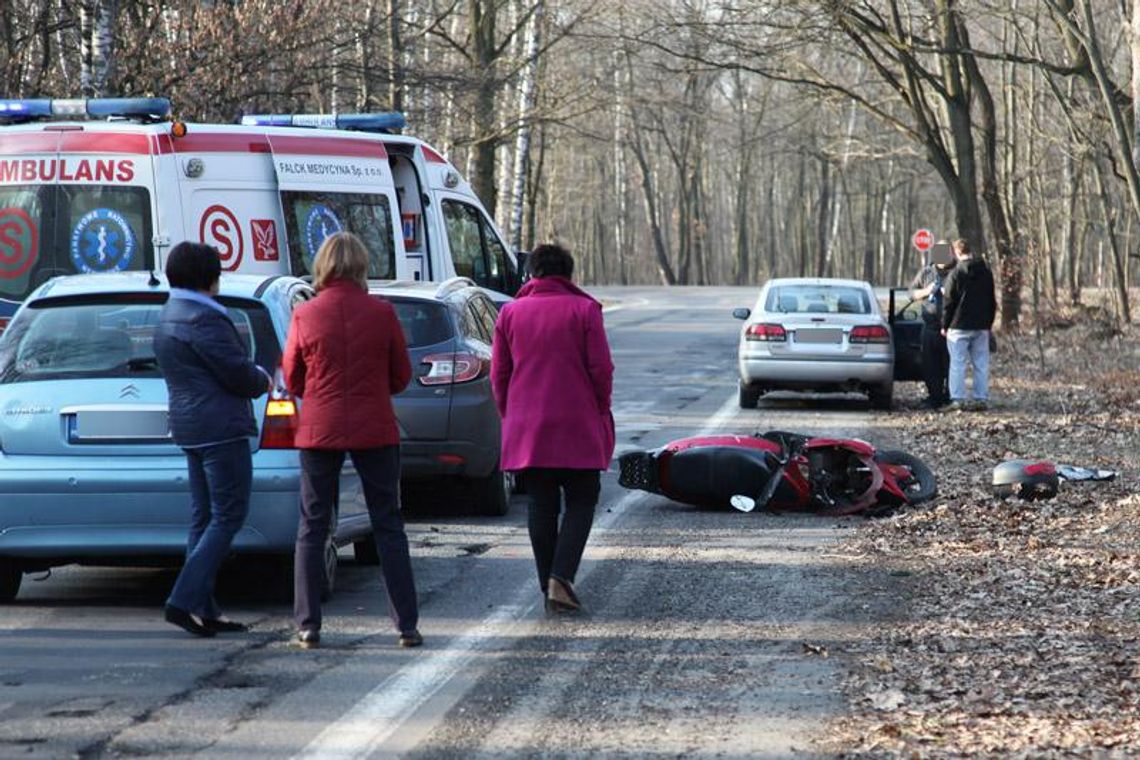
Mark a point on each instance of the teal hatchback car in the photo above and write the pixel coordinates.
(88, 473)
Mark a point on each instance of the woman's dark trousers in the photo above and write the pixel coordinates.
(220, 479)
(935, 364)
(558, 547)
(379, 471)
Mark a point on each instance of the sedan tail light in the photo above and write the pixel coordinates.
(456, 367)
(281, 418)
(766, 332)
(869, 334)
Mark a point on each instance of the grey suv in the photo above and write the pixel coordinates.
(449, 425)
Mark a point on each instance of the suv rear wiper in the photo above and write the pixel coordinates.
(142, 362)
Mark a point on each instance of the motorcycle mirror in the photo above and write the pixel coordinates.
(743, 503)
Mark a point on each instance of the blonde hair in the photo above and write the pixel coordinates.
(342, 257)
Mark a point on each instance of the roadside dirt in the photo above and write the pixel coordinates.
(1018, 627)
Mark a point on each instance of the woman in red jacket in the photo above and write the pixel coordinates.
(552, 377)
(345, 356)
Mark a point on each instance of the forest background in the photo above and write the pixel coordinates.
(688, 141)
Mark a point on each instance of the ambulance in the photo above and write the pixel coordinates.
(111, 184)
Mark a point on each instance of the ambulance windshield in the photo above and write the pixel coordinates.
(49, 230)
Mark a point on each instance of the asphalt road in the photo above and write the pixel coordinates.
(707, 634)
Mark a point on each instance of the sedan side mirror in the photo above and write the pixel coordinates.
(742, 313)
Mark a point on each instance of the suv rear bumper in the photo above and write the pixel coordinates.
(424, 459)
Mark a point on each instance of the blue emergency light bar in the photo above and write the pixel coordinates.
(151, 109)
(388, 121)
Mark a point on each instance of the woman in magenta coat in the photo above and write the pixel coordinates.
(345, 356)
(552, 376)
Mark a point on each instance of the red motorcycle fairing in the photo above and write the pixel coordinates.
(713, 471)
(892, 474)
(855, 445)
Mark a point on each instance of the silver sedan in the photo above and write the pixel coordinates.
(815, 334)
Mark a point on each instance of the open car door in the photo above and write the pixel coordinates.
(905, 316)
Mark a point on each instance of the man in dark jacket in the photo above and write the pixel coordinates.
(927, 289)
(210, 380)
(968, 311)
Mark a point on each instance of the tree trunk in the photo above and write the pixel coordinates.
(395, 58)
(664, 270)
(823, 216)
(1009, 260)
(528, 89)
(481, 15)
(1117, 256)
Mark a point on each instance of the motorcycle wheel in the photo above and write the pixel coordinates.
(921, 486)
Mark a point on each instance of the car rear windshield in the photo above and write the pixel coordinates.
(110, 336)
(818, 299)
(425, 323)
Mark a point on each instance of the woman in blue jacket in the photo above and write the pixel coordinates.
(210, 379)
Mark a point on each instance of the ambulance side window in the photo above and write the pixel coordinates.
(464, 240)
(475, 249)
(310, 217)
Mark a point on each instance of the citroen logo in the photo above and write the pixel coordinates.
(129, 391)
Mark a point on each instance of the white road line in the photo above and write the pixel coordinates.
(379, 713)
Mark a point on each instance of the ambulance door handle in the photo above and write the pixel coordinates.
(426, 200)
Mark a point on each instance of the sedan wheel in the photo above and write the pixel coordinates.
(10, 577)
(749, 398)
(364, 551)
(493, 493)
(881, 396)
(330, 570)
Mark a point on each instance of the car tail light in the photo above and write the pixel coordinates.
(869, 334)
(281, 418)
(766, 332)
(4, 323)
(457, 367)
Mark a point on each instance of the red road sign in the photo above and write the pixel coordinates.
(923, 239)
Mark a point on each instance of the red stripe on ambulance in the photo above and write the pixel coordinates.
(104, 142)
(74, 142)
(223, 142)
(29, 142)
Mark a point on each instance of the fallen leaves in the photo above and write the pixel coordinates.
(1019, 628)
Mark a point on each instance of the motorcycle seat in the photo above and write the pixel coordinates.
(713, 474)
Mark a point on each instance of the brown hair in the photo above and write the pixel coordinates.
(342, 257)
(962, 246)
(551, 260)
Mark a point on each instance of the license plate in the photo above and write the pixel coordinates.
(819, 336)
(117, 425)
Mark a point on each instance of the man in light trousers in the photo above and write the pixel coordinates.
(968, 312)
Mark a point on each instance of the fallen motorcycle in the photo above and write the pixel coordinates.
(780, 471)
